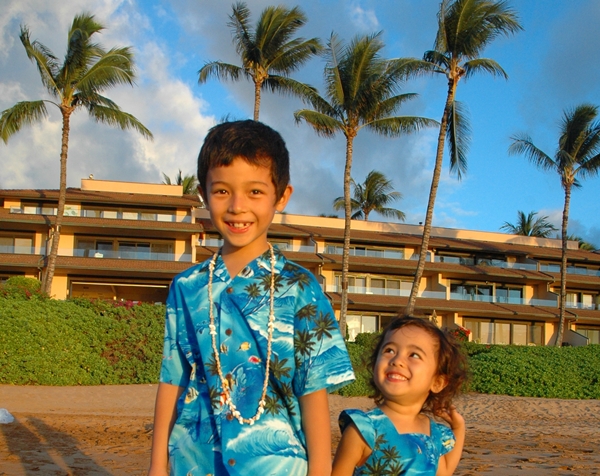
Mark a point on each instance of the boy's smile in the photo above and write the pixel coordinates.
(241, 199)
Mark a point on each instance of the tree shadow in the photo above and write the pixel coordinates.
(46, 450)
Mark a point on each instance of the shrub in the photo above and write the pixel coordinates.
(79, 342)
(20, 287)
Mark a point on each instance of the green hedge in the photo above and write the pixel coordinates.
(83, 342)
(565, 372)
(78, 342)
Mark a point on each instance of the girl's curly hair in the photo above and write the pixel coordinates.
(451, 362)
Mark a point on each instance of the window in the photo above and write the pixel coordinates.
(509, 295)
(487, 331)
(358, 323)
(371, 252)
(378, 285)
(593, 334)
(472, 292)
(16, 244)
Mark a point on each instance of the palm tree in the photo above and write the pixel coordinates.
(465, 28)
(372, 196)
(361, 93)
(583, 245)
(530, 225)
(189, 183)
(269, 53)
(88, 70)
(577, 156)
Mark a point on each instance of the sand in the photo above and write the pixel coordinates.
(107, 430)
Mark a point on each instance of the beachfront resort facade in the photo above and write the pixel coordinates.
(126, 241)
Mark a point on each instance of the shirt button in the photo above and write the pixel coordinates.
(231, 462)
(229, 290)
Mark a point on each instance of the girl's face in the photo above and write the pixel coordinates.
(406, 367)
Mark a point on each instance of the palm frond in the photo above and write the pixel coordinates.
(523, 145)
(483, 64)
(289, 86)
(458, 132)
(240, 28)
(116, 117)
(115, 67)
(323, 124)
(220, 70)
(21, 114)
(394, 126)
(46, 62)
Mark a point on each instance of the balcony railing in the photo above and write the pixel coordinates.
(18, 250)
(110, 214)
(369, 253)
(555, 268)
(125, 254)
(469, 261)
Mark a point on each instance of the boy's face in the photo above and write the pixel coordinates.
(241, 199)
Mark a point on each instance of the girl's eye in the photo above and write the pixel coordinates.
(387, 350)
(415, 355)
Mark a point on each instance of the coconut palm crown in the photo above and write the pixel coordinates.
(529, 225)
(465, 29)
(577, 156)
(373, 195)
(362, 91)
(86, 72)
(269, 52)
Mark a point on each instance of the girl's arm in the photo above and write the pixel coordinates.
(352, 451)
(316, 424)
(165, 413)
(449, 461)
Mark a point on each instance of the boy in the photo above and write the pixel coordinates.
(251, 343)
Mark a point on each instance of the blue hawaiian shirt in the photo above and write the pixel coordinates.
(308, 354)
(411, 454)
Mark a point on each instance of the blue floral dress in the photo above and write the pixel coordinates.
(412, 454)
(308, 354)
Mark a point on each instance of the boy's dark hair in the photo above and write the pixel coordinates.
(254, 142)
(451, 362)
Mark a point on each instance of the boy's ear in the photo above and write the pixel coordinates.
(285, 198)
(202, 194)
(439, 384)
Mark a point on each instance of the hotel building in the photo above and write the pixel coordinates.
(126, 241)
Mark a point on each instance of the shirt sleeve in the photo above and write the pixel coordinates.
(445, 437)
(362, 422)
(175, 368)
(322, 360)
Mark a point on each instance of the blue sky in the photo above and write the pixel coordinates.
(552, 65)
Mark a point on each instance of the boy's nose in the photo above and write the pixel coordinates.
(237, 204)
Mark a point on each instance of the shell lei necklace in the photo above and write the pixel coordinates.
(213, 334)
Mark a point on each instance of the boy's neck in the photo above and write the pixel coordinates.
(236, 259)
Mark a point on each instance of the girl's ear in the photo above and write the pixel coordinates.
(439, 383)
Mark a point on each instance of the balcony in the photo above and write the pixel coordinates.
(496, 263)
(124, 254)
(364, 252)
(19, 250)
(555, 268)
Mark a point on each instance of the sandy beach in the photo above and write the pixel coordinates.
(107, 430)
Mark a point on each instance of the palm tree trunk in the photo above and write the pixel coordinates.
(62, 195)
(347, 228)
(257, 86)
(563, 268)
(437, 170)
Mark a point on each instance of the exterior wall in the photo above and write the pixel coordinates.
(131, 187)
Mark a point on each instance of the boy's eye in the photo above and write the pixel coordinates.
(256, 192)
(219, 191)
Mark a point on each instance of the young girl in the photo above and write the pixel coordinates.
(417, 368)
